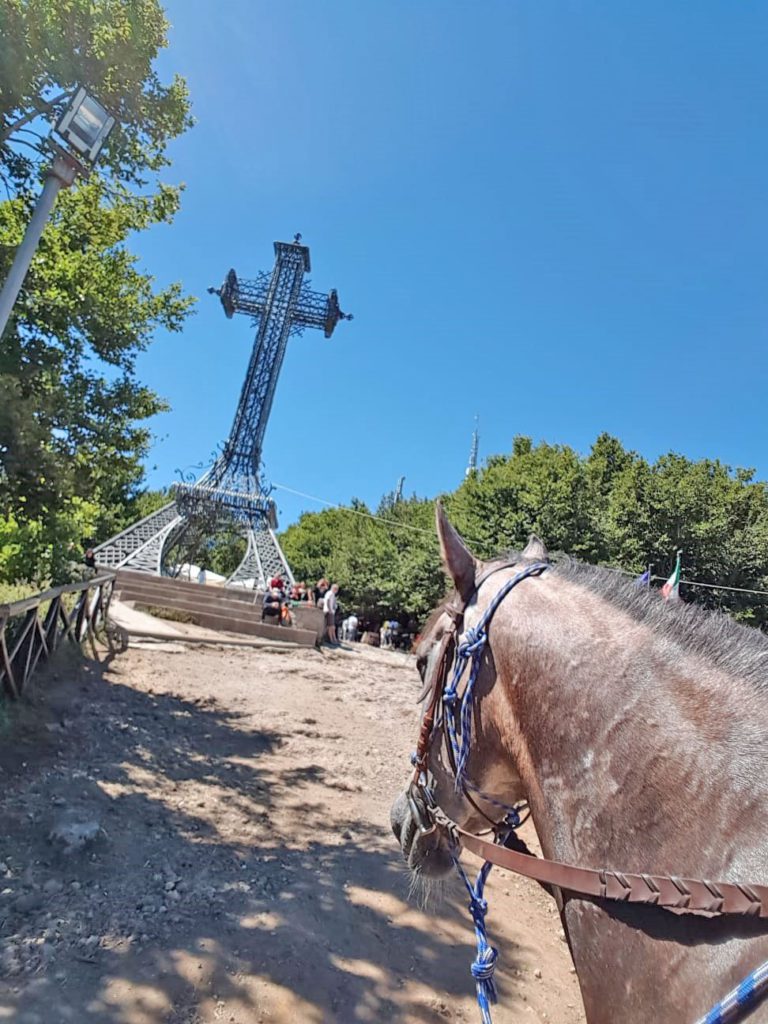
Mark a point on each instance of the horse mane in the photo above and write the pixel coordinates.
(706, 633)
(702, 632)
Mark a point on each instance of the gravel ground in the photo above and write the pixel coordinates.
(201, 835)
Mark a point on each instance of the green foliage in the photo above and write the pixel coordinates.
(611, 507)
(144, 503)
(109, 46)
(10, 592)
(73, 416)
(382, 569)
(46, 550)
(539, 489)
(225, 551)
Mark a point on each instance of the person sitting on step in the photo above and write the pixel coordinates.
(271, 605)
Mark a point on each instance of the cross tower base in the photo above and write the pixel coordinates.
(144, 546)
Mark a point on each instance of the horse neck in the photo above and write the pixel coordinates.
(629, 759)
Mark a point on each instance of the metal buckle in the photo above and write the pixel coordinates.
(420, 801)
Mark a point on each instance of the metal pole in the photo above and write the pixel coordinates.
(61, 175)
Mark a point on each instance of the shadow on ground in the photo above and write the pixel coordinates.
(219, 887)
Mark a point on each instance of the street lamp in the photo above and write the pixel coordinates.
(84, 126)
(83, 129)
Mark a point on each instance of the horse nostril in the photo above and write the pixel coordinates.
(398, 815)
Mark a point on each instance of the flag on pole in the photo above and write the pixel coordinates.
(644, 580)
(671, 589)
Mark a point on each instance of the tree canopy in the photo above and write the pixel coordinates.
(50, 46)
(610, 507)
(73, 415)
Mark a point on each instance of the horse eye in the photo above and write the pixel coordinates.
(421, 665)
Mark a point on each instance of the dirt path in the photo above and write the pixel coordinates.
(202, 835)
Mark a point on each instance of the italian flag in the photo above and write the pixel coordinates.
(671, 589)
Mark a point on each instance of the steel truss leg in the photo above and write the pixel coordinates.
(263, 559)
(141, 546)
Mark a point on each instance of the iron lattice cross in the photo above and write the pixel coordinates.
(281, 303)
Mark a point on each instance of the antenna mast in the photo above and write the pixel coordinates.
(472, 464)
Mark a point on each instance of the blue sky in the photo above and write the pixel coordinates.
(552, 214)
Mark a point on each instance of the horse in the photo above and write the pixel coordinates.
(636, 729)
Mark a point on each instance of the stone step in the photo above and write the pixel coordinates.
(210, 599)
(233, 599)
(206, 597)
(217, 608)
(247, 626)
(189, 586)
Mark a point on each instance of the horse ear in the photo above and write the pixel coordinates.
(457, 558)
(535, 551)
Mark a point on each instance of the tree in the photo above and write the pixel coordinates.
(538, 489)
(73, 431)
(386, 564)
(417, 574)
(348, 547)
(611, 507)
(109, 46)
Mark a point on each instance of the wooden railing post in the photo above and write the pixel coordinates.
(36, 637)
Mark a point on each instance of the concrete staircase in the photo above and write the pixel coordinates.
(229, 609)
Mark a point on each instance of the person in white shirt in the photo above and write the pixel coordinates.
(349, 628)
(329, 607)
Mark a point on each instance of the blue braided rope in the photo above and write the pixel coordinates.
(450, 699)
(484, 964)
(745, 993)
(471, 649)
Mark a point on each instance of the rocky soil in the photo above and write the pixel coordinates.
(200, 835)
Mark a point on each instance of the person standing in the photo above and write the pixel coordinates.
(321, 589)
(352, 623)
(330, 605)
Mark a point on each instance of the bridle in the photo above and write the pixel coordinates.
(442, 700)
(457, 650)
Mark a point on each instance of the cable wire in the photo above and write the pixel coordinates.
(430, 533)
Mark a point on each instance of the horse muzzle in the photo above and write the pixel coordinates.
(424, 846)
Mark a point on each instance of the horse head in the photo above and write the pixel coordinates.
(637, 731)
(475, 792)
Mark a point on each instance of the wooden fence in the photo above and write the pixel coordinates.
(32, 629)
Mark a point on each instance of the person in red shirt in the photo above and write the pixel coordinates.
(276, 583)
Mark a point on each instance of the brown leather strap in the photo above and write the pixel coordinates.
(435, 685)
(684, 895)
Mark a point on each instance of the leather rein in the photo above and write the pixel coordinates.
(680, 895)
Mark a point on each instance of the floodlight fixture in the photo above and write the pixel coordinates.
(84, 126)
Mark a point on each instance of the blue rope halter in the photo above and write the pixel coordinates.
(739, 999)
(484, 964)
(470, 649)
